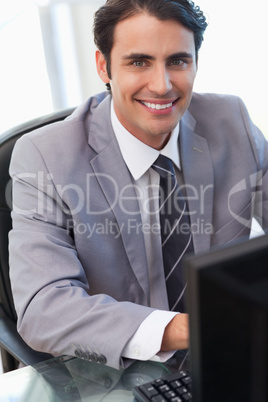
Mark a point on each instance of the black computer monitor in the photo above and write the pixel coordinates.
(228, 309)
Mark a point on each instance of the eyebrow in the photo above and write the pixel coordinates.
(178, 55)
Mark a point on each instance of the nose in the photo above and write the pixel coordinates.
(160, 82)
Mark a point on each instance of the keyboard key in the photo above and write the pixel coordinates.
(181, 390)
(176, 384)
(187, 397)
(158, 398)
(148, 390)
(164, 388)
(157, 383)
(169, 395)
(186, 380)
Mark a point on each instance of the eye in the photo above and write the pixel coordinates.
(177, 62)
(139, 63)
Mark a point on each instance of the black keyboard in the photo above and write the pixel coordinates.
(175, 387)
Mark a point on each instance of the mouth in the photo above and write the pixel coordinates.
(160, 105)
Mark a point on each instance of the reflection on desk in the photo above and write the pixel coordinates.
(69, 379)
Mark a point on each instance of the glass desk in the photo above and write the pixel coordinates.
(69, 379)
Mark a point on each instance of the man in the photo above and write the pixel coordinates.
(87, 267)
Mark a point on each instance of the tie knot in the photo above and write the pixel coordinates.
(164, 166)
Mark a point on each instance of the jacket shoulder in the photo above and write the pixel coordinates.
(60, 142)
(79, 118)
(211, 103)
(214, 111)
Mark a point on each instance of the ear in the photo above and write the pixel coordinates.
(102, 67)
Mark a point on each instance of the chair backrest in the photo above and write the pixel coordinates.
(7, 142)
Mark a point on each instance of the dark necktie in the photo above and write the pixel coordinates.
(175, 232)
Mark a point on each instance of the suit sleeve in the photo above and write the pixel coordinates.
(56, 313)
(259, 181)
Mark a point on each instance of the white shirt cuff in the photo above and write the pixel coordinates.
(145, 344)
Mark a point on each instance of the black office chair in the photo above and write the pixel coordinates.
(13, 349)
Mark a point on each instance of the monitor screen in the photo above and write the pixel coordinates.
(228, 310)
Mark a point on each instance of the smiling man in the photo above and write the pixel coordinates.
(107, 202)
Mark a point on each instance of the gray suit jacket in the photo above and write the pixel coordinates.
(78, 269)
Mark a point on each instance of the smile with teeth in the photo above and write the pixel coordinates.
(157, 106)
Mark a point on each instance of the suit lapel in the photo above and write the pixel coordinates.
(115, 180)
(198, 176)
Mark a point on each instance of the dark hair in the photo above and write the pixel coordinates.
(115, 11)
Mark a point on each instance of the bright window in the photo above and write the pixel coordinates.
(234, 58)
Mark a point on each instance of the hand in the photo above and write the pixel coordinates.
(176, 335)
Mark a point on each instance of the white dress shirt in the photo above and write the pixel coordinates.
(146, 342)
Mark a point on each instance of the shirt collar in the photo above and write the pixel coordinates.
(132, 148)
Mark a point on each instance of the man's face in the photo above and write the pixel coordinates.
(153, 67)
